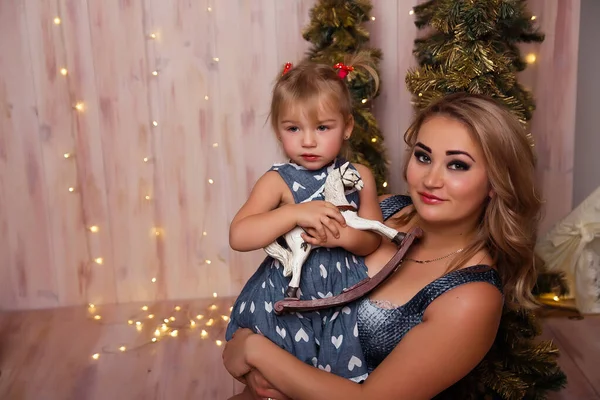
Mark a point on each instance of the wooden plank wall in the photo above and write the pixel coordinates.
(129, 197)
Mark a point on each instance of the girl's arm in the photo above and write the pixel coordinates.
(261, 220)
(457, 331)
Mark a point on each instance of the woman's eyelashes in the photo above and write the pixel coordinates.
(459, 165)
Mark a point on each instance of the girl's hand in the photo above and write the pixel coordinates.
(312, 237)
(261, 388)
(321, 217)
(234, 354)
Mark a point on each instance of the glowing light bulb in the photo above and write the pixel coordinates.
(225, 318)
(130, 322)
(155, 73)
(530, 58)
(56, 21)
(411, 12)
(218, 342)
(145, 308)
(385, 184)
(208, 261)
(533, 17)
(215, 294)
(374, 139)
(210, 322)
(363, 101)
(147, 197)
(211, 181)
(155, 123)
(157, 333)
(98, 260)
(80, 106)
(166, 320)
(215, 144)
(372, 18)
(154, 340)
(216, 59)
(209, 9)
(172, 318)
(213, 307)
(94, 228)
(555, 298)
(204, 233)
(96, 356)
(203, 334)
(206, 97)
(150, 316)
(97, 317)
(174, 333)
(71, 189)
(152, 36)
(192, 323)
(122, 348)
(138, 323)
(153, 280)
(64, 72)
(146, 159)
(91, 305)
(199, 316)
(177, 308)
(67, 155)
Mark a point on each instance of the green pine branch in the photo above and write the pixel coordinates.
(338, 28)
(473, 46)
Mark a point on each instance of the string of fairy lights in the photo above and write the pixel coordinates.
(209, 324)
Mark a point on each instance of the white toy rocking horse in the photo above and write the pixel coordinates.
(292, 258)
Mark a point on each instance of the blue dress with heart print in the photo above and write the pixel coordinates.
(327, 339)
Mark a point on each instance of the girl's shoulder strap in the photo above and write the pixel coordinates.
(391, 205)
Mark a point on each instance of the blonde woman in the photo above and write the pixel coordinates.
(470, 178)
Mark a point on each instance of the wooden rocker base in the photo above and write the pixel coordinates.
(357, 291)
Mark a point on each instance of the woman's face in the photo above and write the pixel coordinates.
(447, 175)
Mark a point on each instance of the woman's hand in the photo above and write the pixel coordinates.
(321, 217)
(261, 388)
(234, 354)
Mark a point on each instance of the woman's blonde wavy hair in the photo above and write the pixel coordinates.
(508, 227)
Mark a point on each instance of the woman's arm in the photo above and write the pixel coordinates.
(457, 331)
(261, 220)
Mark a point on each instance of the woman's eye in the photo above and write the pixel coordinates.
(459, 165)
(422, 157)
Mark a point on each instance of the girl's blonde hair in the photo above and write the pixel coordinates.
(508, 227)
(315, 84)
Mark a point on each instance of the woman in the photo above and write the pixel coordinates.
(470, 178)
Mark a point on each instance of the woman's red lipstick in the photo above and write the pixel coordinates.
(428, 198)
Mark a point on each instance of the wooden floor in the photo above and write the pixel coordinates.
(50, 354)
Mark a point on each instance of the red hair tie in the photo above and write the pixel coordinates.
(343, 69)
(286, 68)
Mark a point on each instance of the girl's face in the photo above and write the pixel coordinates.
(447, 174)
(313, 141)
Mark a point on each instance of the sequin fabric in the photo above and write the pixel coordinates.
(381, 325)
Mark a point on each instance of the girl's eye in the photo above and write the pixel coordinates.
(322, 128)
(459, 165)
(293, 129)
(422, 157)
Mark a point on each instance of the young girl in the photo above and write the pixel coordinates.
(311, 114)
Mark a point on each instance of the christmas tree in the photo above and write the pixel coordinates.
(472, 46)
(336, 30)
